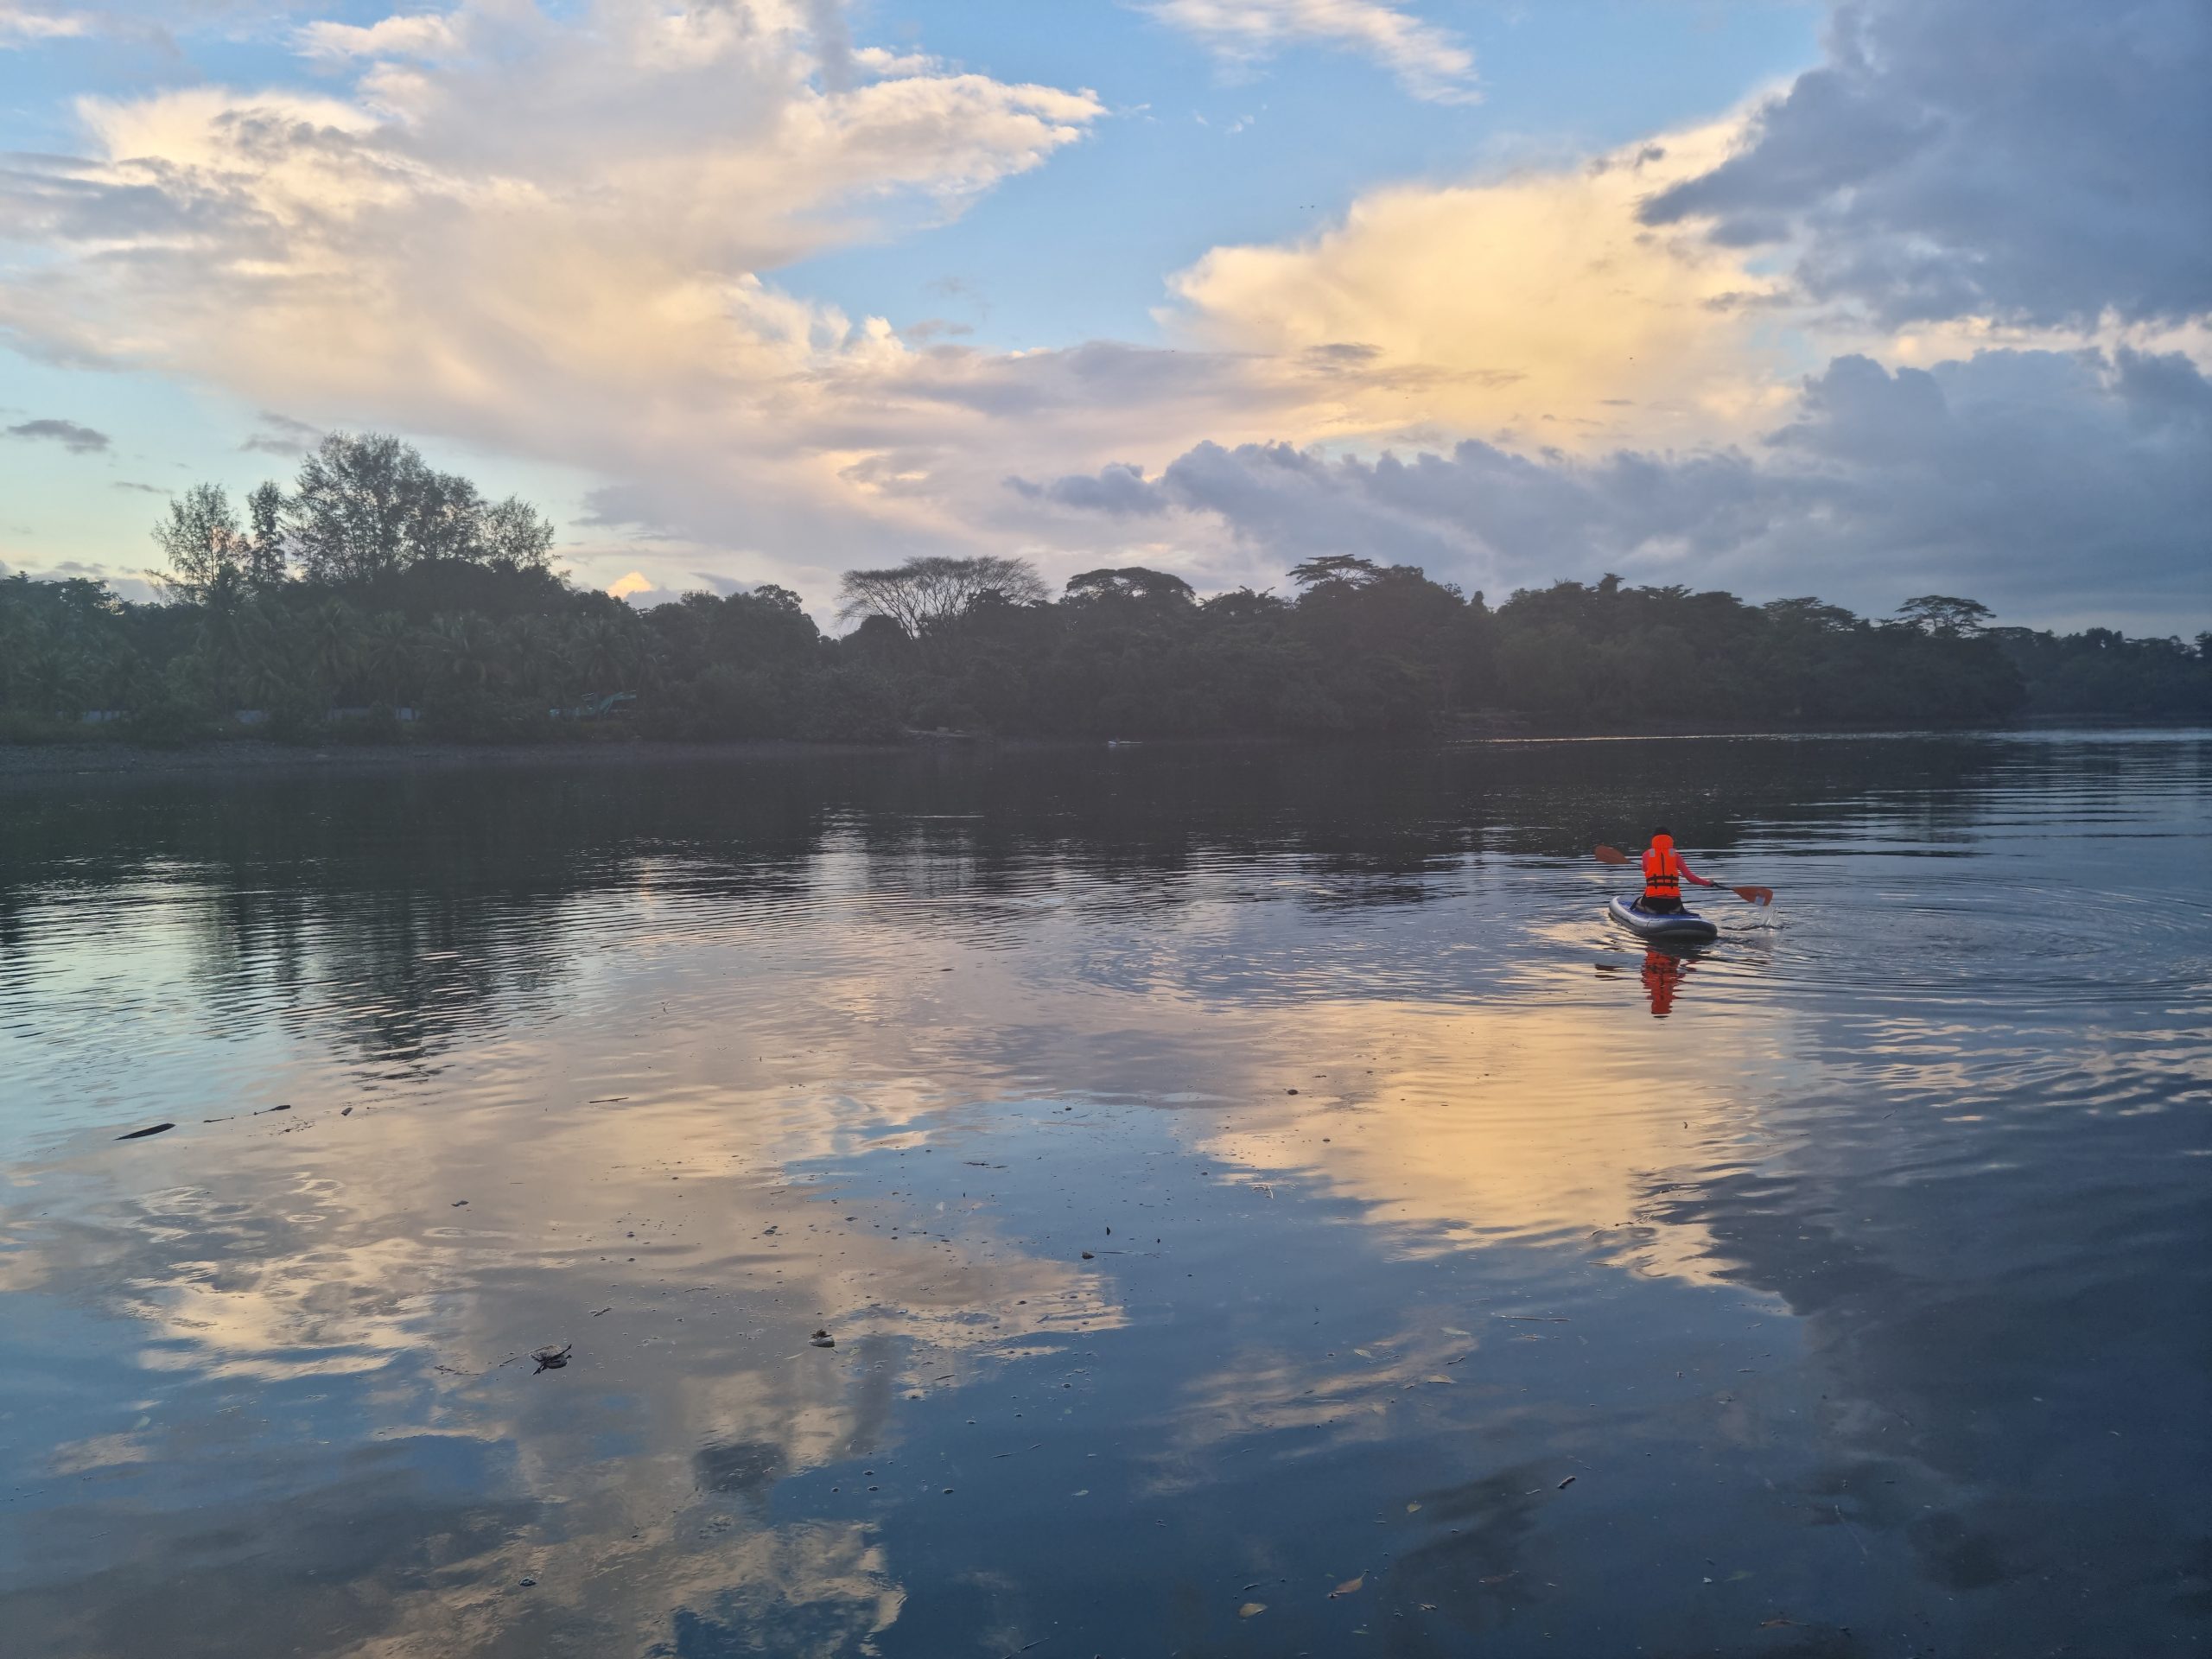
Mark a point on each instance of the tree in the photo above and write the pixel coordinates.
(1132, 582)
(1944, 617)
(925, 593)
(1811, 613)
(349, 515)
(514, 531)
(264, 558)
(1345, 568)
(387, 656)
(442, 515)
(201, 538)
(333, 643)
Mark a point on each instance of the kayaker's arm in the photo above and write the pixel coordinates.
(1692, 877)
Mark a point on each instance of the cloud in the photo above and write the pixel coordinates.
(2034, 161)
(77, 440)
(548, 234)
(557, 233)
(1429, 62)
(1118, 490)
(20, 24)
(424, 36)
(283, 436)
(1535, 302)
(2027, 479)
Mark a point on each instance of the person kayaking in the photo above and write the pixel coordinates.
(1657, 911)
(1664, 873)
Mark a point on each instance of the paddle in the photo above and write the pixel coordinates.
(1748, 895)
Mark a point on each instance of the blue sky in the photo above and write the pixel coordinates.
(756, 289)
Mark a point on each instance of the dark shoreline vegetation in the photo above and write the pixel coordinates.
(378, 600)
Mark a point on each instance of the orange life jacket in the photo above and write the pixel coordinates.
(1663, 871)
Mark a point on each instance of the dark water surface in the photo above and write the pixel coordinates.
(1256, 1207)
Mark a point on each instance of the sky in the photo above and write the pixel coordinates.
(1863, 301)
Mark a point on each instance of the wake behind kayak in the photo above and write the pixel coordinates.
(1682, 927)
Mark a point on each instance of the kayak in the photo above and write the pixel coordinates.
(1682, 927)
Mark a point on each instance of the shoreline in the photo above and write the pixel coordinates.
(259, 757)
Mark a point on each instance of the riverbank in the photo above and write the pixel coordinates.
(22, 761)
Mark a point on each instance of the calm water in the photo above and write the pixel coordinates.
(1255, 1204)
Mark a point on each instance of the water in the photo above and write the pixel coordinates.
(1255, 1204)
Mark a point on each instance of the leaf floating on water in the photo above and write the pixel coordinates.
(1568, 1482)
(1251, 1609)
(1446, 1380)
(140, 1134)
(1411, 1508)
(1350, 1586)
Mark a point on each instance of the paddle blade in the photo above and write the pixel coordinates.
(1754, 895)
(1612, 855)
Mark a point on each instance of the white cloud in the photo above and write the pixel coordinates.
(551, 243)
(19, 24)
(424, 36)
(1429, 61)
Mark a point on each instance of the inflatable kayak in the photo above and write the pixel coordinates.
(1681, 926)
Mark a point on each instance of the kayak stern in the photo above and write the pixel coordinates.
(1678, 927)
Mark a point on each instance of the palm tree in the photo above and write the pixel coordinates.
(388, 655)
(465, 648)
(333, 643)
(604, 652)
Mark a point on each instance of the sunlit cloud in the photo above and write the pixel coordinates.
(1535, 303)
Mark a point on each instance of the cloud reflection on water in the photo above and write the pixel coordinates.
(1808, 1279)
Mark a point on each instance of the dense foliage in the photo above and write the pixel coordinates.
(377, 585)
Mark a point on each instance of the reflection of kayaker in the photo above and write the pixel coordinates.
(1665, 966)
(1662, 975)
(1659, 912)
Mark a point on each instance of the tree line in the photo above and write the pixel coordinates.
(375, 583)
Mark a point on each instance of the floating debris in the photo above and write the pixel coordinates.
(550, 1358)
(822, 1339)
(140, 1134)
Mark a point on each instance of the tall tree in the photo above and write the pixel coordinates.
(517, 532)
(350, 514)
(1347, 569)
(924, 593)
(265, 557)
(1945, 617)
(201, 538)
